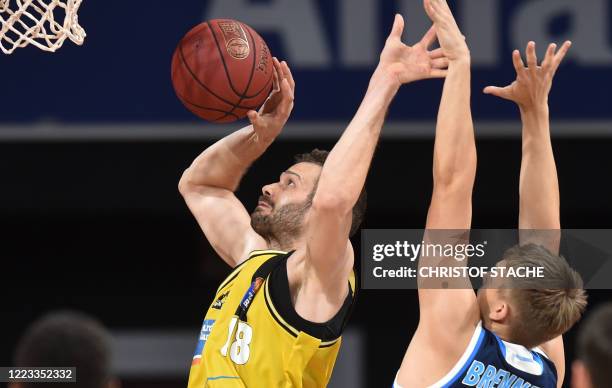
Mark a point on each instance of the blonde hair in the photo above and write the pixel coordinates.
(545, 307)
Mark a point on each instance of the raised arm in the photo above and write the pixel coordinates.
(345, 170)
(448, 317)
(539, 220)
(539, 187)
(454, 170)
(208, 185)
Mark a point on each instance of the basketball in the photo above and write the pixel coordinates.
(222, 69)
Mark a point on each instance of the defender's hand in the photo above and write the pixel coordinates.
(411, 63)
(452, 41)
(274, 113)
(533, 83)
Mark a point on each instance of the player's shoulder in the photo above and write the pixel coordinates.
(327, 323)
(252, 244)
(303, 274)
(264, 252)
(435, 357)
(263, 257)
(252, 262)
(553, 353)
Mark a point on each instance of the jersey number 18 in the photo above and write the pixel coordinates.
(239, 350)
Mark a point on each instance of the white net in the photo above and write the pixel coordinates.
(42, 23)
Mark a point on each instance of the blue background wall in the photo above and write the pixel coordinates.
(121, 74)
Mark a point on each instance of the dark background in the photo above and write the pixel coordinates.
(96, 223)
(102, 228)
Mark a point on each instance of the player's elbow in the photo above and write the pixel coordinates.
(453, 192)
(454, 183)
(185, 184)
(456, 174)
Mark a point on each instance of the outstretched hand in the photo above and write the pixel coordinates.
(452, 41)
(533, 83)
(274, 113)
(411, 63)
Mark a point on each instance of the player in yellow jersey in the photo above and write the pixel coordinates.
(277, 319)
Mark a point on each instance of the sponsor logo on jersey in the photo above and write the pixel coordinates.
(220, 301)
(249, 295)
(204, 333)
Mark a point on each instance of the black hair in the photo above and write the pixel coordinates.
(318, 156)
(67, 339)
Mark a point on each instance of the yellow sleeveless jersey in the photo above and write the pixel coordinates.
(246, 341)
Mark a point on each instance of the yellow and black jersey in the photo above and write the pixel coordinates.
(253, 337)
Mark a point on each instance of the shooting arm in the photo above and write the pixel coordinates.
(223, 164)
(208, 185)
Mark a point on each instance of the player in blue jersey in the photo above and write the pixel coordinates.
(508, 337)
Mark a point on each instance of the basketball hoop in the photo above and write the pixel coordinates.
(37, 22)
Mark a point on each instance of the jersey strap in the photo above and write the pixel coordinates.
(239, 267)
(280, 304)
(519, 357)
(256, 281)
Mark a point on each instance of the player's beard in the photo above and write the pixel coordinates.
(282, 224)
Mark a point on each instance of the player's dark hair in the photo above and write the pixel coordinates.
(67, 339)
(318, 156)
(595, 345)
(547, 307)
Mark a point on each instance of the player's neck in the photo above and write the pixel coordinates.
(285, 243)
(500, 330)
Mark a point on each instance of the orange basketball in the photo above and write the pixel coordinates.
(222, 69)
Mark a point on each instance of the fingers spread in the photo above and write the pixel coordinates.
(491, 90)
(517, 61)
(278, 71)
(287, 74)
(429, 37)
(286, 89)
(434, 11)
(548, 58)
(253, 117)
(287, 97)
(398, 27)
(275, 79)
(438, 73)
(439, 63)
(532, 59)
(561, 54)
(429, 10)
(497, 91)
(440, 11)
(437, 53)
(277, 65)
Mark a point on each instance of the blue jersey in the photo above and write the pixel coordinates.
(492, 362)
